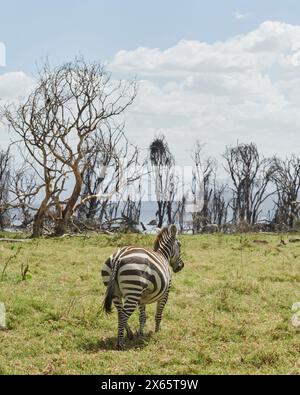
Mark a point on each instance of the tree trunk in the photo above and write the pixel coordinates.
(63, 222)
(160, 214)
(1, 220)
(37, 227)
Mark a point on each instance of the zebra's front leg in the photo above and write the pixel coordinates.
(130, 305)
(159, 310)
(143, 318)
(119, 306)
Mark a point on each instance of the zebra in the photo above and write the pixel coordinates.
(140, 277)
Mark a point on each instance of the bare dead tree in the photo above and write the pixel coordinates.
(179, 213)
(219, 204)
(21, 190)
(131, 212)
(250, 175)
(202, 189)
(5, 173)
(286, 176)
(57, 124)
(176, 199)
(162, 169)
(23, 193)
(110, 215)
(112, 159)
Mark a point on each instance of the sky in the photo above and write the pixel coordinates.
(221, 72)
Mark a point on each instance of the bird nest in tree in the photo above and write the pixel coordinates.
(159, 152)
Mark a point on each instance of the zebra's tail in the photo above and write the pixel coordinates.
(111, 286)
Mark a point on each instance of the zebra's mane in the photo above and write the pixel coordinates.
(159, 237)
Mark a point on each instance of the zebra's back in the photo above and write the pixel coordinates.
(141, 273)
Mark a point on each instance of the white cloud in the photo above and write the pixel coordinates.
(13, 86)
(240, 15)
(272, 42)
(245, 88)
(2, 54)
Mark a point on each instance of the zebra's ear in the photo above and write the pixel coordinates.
(173, 230)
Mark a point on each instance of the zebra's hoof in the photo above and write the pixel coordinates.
(120, 346)
(139, 334)
(130, 335)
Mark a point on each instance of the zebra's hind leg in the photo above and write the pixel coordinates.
(159, 310)
(119, 306)
(143, 318)
(130, 305)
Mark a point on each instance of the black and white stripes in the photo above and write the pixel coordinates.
(140, 277)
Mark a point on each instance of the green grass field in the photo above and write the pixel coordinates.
(229, 310)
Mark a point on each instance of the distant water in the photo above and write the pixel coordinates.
(148, 211)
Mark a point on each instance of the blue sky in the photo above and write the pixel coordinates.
(214, 71)
(97, 29)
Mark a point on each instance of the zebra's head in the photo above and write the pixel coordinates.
(169, 246)
(176, 260)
